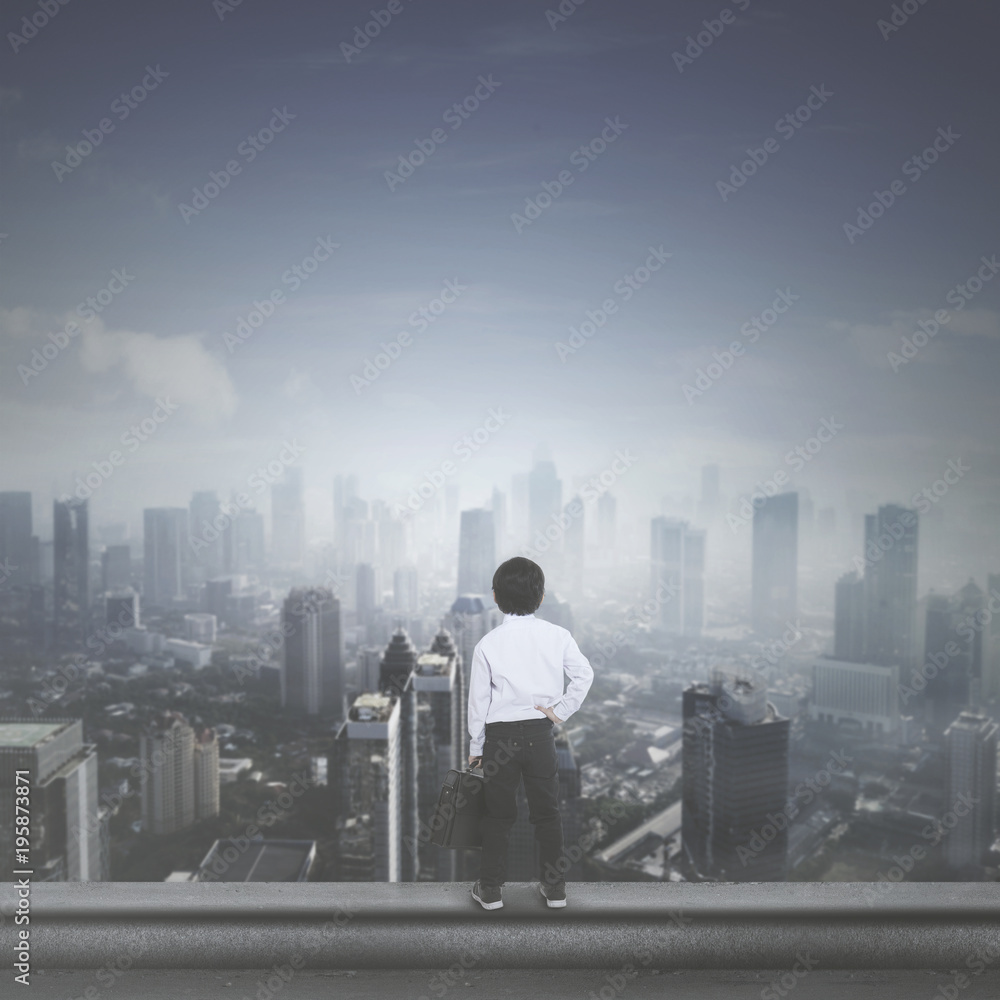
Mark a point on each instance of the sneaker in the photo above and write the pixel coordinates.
(555, 895)
(489, 898)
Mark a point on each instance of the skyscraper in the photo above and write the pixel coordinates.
(398, 662)
(891, 586)
(15, 540)
(312, 679)
(735, 780)
(65, 821)
(180, 774)
(206, 556)
(165, 544)
(366, 775)
(991, 641)
(288, 519)
(498, 505)
(544, 500)
(476, 553)
(677, 571)
(774, 573)
(574, 546)
(849, 619)
(606, 526)
(116, 567)
(970, 777)
(406, 595)
(71, 570)
(365, 593)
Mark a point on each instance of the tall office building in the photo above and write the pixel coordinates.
(15, 540)
(991, 641)
(468, 621)
(891, 586)
(970, 775)
(476, 553)
(849, 619)
(312, 679)
(735, 779)
(71, 570)
(65, 820)
(574, 546)
(520, 521)
(165, 545)
(774, 573)
(116, 567)
(398, 662)
(242, 541)
(677, 570)
(206, 538)
(176, 793)
(544, 500)
(367, 766)
(405, 592)
(288, 519)
(121, 610)
(437, 685)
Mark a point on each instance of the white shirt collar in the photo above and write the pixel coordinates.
(508, 616)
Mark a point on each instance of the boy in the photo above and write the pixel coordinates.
(515, 698)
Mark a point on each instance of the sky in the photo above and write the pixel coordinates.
(508, 169)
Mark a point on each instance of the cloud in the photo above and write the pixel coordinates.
(9, 97)
(178, 367)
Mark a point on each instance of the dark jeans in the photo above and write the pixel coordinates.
(513, 750)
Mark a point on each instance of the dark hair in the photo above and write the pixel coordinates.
(519, 585)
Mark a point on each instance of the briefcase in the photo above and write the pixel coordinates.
(461, 806)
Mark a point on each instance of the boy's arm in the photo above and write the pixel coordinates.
(479, 701)
(577, 668)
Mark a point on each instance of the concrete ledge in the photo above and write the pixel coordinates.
(350, 925)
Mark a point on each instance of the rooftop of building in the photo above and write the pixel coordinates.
(23, 734)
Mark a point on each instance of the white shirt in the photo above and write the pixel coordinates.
(518, 665)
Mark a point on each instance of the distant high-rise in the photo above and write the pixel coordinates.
(498, 505)
(71, 570)
(574, 546)
(398, 662)
(242, 540)
(735, 780)
(365, 593)
(116, 567)
(520, 524)
(206, 538)
(405, 592)
(468, 621)
(970, 781)
(849, 619)
(891, 586)
(991, 642)
(121, 610)
(65, 817)
(15, 540)
(312, 679)
(165, 543)
(677, 570)
(774, 573)
(180, 784)
(476, 553)
(544, 500)
(288, 519)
